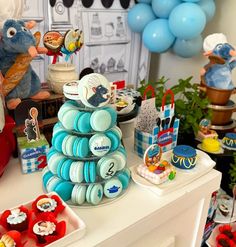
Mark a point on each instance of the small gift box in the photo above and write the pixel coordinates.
(32, 154)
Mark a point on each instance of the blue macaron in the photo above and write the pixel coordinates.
(100, 120)
(94, 193)
(92, 171)
(115, 141)
(113, 115)
(64, 190)
(124, 179)
(65, 169)
(84, 123)
(86, 172)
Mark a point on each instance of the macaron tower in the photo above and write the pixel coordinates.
(87, 162)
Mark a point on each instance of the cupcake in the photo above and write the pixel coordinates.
(15, 219)
(229, 141)
(46, 204)
(45, 229)
(11, 239)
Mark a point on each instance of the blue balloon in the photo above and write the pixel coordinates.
(188, 48)
(187, 21)
(209, 8)
(144, 1)
(192, 1)
(157, 36)
(162, 8)
(139, 16)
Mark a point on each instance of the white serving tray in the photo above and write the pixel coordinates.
(183, 177)
(75, 227)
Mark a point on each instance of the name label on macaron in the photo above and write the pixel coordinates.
(99, 144)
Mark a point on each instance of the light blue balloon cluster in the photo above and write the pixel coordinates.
(175, 24)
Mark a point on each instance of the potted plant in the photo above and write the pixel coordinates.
(190, 104)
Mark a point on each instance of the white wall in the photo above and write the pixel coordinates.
(175, 67)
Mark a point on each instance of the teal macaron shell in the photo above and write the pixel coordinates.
(52, 183)
(113, 115)
(77, 120)
(69, 145)
(115, 140)
(53, 162)
(94, 193)
(46, 177)
(86, 172)
(65, 169)
(83, 147)
(78, 194)
(58, 139)
(100, 120)
(68, 118)
(75, 145)
(92, 171)
(124, 179)
(84, 125)
(59, 166)
(64, 190)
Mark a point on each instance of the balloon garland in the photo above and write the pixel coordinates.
(175, 24)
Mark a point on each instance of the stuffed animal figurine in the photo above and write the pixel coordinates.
(217, 73)
(17, 49)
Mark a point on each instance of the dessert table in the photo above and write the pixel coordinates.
(138, 218)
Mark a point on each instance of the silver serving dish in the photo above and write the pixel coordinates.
(229, 126)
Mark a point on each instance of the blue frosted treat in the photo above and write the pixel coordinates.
(229, 140)
(184, 157)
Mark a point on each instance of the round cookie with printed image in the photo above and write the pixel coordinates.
(94, 90)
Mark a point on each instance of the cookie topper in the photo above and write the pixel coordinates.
(31, 126)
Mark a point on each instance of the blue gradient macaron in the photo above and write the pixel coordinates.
(65, 169)
(77, 172)
(77, 120)
(64, 190)
(92, 171)
(100, 120)
(94, 193)
(84, 125)
(115, 140)
(113, 115)
(78, 194)
(52, 183)
(124, 179)
(53, 162)
(86, 172)
(69, 145)
(68, 119)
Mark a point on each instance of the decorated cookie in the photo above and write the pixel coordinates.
(152, 155)
(94, 90)
(107, 167)
(184, 157)
(124, 104)
(99, 144)
(53, 41)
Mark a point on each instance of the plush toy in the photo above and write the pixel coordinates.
(217, 73)
(17, 49)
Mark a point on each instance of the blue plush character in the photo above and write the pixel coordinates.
(18, 46)
(217, 73)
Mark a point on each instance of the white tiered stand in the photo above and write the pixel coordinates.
(140, 218)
